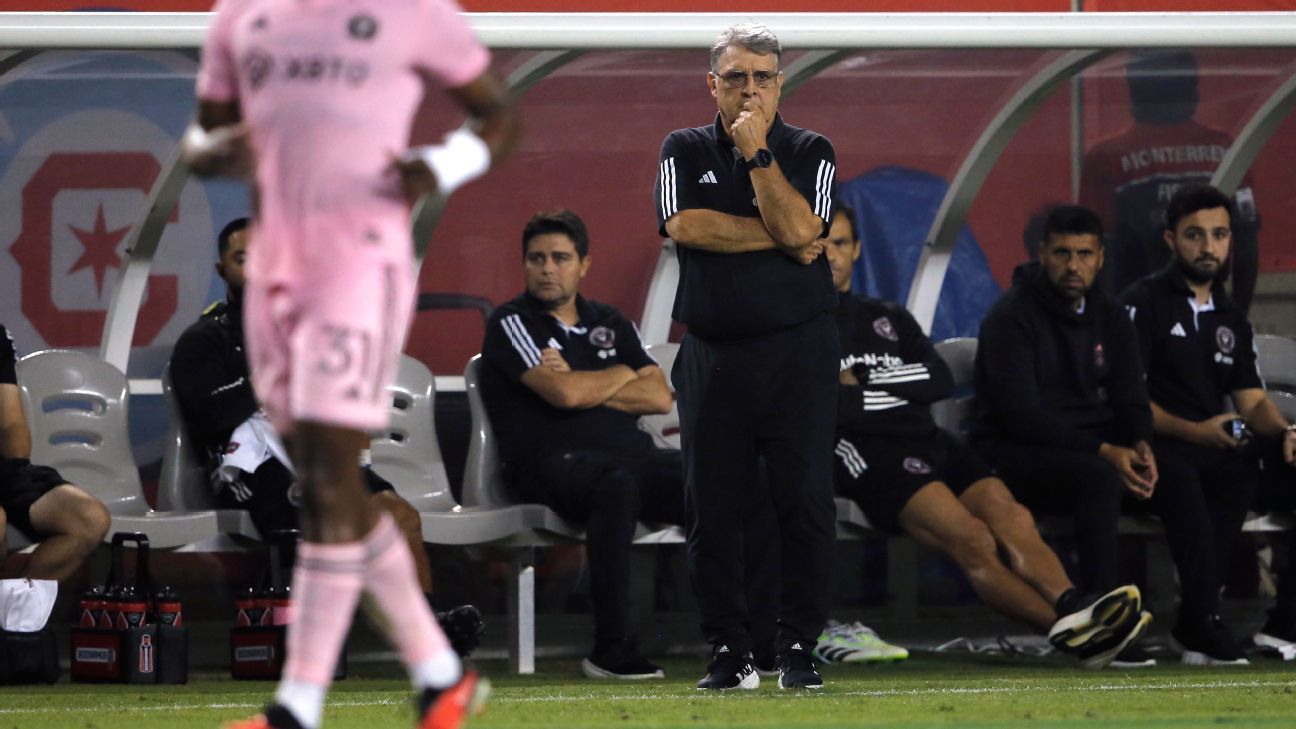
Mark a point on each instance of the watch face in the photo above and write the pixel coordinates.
(763, 158)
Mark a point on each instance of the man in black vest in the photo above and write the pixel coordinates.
(747, 200)
(1199, 351)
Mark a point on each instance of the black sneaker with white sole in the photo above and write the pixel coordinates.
(1098, 629)
(1208, 643)
(1276, 636)
(1133, 656)
(797, 669)
(621, 661)
(730, 670)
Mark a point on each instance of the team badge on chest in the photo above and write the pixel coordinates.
(882, 326)
(1225, 340)
(1099, 359)
(916, 466)
(602, 337)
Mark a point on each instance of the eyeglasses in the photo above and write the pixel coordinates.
(738, 79)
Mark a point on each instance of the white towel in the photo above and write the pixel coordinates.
(25, 605)
(254, 442)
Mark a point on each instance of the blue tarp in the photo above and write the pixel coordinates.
(894, 209)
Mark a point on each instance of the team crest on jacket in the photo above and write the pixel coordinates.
(1099, 359)
(1225, 340)
(916, 466)
(882, 326)
(602, 337)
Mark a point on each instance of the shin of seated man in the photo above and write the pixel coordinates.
(565, 379)
(209, 369)
(909, 475)
(1198, 348)
(66, 521)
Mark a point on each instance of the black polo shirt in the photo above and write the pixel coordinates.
(526, 426)
(8, 358)
(1194, 358)
(731, 296)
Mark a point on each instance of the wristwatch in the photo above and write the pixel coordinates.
(763, 158)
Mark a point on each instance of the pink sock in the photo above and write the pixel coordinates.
(392, 584)
(326, 585)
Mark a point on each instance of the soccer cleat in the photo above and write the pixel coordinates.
(463, 627)
(448, 708)
(275, 717)
(797, 669)
(621, 661)
(855, 643)
(729, 670)
(1208, 643)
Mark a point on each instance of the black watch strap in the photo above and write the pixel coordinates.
(762, 158)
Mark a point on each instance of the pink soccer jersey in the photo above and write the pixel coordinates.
(328, 90)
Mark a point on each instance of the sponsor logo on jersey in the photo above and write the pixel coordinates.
(882, 325)
(917, 466)
(1225, 340)
(1177, 330)
(362, 27)
(871, 360)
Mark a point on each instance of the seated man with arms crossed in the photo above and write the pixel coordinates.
(250, 467)
(910, 476)
(565, 380)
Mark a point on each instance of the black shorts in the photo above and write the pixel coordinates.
(21, 485)
(881, 473)
(271, 496)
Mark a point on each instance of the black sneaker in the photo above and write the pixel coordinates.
(1096, 629)
(620, 661)
(729, 670)
(1133, 656)
(1277, 636)
(1208, 643)
(463, 627)
(797, 669)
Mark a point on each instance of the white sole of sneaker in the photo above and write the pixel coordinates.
(1101, 660)
(1268, 641)
(1098, 620)
(749, 682)
(1197, 658)
(797, 688)
(1149, 663)
(591, 670)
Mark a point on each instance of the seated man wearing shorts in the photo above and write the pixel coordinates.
(38, 502)
(910, 476)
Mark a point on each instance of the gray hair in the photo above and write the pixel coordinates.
(753, 36)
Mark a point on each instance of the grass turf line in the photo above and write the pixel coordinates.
(926, 691)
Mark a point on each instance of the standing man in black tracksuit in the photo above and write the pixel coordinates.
(1061, 410)
(747, 200)
(1199, 351)
(910, 476)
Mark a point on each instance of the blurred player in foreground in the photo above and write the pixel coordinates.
(317, 99)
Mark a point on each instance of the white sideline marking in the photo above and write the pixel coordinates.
(674, 695)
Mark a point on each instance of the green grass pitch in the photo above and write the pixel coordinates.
(926, 691)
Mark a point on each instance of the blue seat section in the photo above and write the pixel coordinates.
(895, 207)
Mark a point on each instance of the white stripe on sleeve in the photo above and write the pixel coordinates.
(521, 339)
